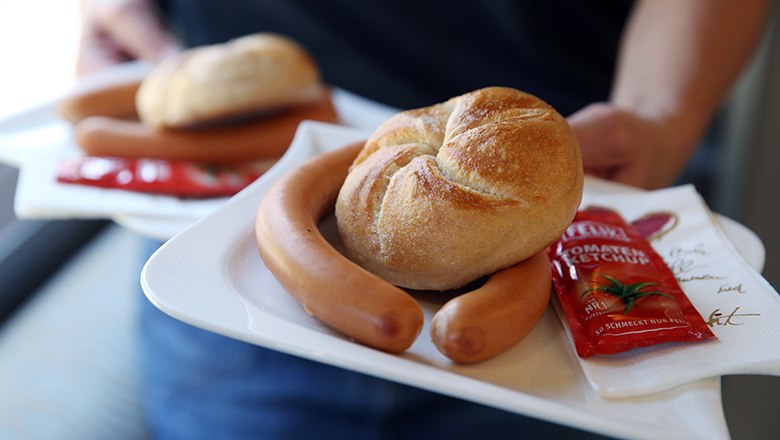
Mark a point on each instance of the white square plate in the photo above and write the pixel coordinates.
(211, 276)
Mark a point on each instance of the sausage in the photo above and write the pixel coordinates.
(487, 321)
(114, 100)
(248, 141)
(328, 285)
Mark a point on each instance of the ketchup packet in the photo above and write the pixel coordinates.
(616, 291)
(158, 176)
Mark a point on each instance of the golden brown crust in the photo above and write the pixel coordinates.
(249, 75)
(443, 195)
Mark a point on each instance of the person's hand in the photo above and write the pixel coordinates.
(625, 147)
(114, 31)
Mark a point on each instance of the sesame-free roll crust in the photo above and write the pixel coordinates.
(443, 195)
(251, 75)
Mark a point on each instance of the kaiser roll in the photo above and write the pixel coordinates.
(443, 195)
(249, 75)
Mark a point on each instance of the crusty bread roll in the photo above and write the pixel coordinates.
(443, 195)
(249, 75)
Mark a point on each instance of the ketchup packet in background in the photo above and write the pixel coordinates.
(616, 291)
(158, 176)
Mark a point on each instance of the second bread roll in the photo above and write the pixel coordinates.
(443, 195)
(243, 77)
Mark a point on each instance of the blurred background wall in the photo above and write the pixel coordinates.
(748, 190)
(749, 178)
(38, 47)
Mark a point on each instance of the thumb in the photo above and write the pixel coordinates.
(603, 136)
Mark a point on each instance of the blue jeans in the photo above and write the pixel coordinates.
(200, 385)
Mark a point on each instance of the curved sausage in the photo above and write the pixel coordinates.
(328, 285)
(112, 100)
(480, 324)
(252, 140)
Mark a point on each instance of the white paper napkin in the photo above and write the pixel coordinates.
(40, 196)
(739, 305)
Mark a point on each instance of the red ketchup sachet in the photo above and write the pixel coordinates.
(158, 176)
(616, 291)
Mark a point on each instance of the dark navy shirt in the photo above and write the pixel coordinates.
(413, 53)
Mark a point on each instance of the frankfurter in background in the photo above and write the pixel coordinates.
(113, 100)
(250, 140)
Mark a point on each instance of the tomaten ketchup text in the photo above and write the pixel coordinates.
(616, 291)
